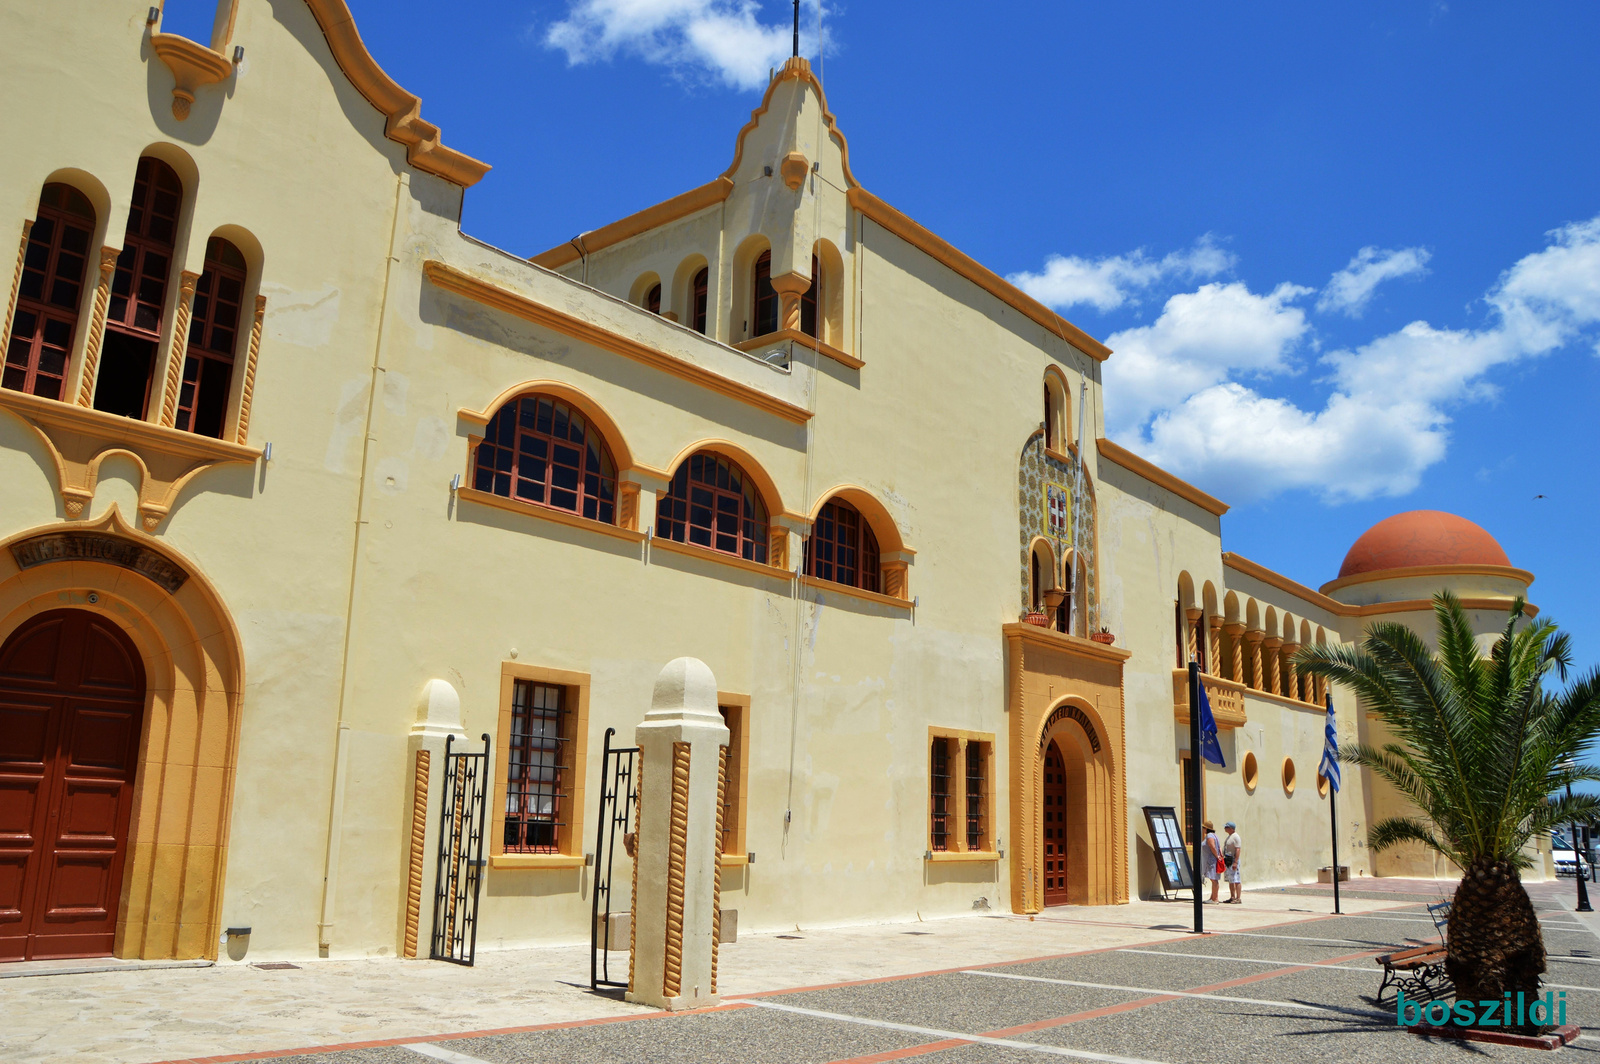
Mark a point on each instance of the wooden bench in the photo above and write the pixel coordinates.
(1419, 971)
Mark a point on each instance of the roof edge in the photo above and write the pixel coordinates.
(1240, 564)
(930, 243)
(403, 110)
(1125, 458)
(799, 69)
(1401, 572)
(636, 224)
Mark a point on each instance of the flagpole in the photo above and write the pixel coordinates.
(1333, 817)
(1194, 793)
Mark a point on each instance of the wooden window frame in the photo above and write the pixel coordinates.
(203, 326)
(43, 307)
(862, 542)
(570, 841)
(674, 519)
(137, 246)
(959, 850)
(763, 297)
(515, 448)
(738, 721)
(699, 300)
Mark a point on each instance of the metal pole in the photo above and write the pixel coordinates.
(797, 27)
(599, 854)
(1199, 762)
(1333, 819)
(1577, 864)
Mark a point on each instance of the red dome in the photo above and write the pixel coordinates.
(1422, 537)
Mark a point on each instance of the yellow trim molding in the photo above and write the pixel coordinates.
(1160, 477)
(799, 69)
(402, 110)
(79, 439)
(451, 279)
(804, 340)
(830, 587)
(940, 249)
(192, 66)
(635, 224)
(546, 513)
(1507, 572)
(694, 550)
(739, 854)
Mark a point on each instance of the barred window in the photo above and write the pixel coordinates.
(977, 810)
(712, 503)
(842, 548)
(538, 783)
(49, 293)
(939, 794)
(540, 450)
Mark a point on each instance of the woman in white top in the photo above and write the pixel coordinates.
(1211, 857)
(1232, 854)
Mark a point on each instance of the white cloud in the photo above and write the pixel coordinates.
(1387, 417)
(1200, 339)
(1108, 283)
(1350, 290)
(723, 38)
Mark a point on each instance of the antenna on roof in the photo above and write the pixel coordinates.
(797, 28)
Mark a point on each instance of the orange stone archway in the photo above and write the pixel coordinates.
(171, 904)
(1066, 689)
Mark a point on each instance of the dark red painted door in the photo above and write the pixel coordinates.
(71, 702)
(1055, 828)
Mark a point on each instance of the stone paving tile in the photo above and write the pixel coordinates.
(958, 1002)
(1135, 969)
(750, 1036)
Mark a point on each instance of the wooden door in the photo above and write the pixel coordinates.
(71, 705)
(1055, 827)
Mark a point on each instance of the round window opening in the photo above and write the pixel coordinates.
(1251, 774)
(1288, 775)
(1322, 785)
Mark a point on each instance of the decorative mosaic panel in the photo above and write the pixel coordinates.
(1056, 501)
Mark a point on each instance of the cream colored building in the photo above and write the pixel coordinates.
(285, 504)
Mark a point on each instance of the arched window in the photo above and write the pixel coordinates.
(713, 503)
(1066, 611)
(51, 290)
(540, 450)
(652, 299)
(1049, 416)
(808, 301)
(842, 548)
(139, 291)
(699, 294)
(213, 331)
(764, 299)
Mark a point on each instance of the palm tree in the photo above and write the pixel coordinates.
(1484, 752)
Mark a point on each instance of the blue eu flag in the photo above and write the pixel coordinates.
(1209, 748)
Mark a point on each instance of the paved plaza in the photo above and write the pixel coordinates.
(1277, 978)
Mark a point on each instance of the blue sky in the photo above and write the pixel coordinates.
(1349, 258)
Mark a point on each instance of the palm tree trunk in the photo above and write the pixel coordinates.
(1495, 946)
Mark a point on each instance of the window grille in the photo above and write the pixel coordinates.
(939, 788)
(50, 291)
(537, 769)
(843, 549)
(540, 450)
(208, 369)
(733, 717)
(977, 815)
(712, 503)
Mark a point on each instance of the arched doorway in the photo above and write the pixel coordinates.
(1055, 827)
(72, 694)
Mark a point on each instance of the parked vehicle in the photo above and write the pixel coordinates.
(1567, 862)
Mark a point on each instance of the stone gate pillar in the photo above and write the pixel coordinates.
(672, 962)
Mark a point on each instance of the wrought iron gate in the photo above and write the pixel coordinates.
(460, 875)
(619, 797)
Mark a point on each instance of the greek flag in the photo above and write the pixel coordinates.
(1330, 754)
(1210, 749)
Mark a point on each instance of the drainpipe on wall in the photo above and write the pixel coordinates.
(330, 867)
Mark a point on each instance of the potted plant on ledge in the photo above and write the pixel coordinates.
(1103, 636)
